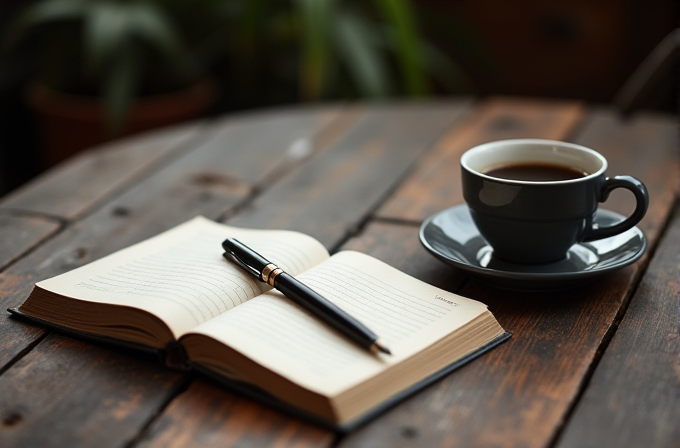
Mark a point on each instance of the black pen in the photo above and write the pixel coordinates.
(267, 272)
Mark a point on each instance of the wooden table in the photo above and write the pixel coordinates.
(594, 366)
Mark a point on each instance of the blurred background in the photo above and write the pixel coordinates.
(75, 73)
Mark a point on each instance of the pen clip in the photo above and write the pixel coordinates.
(254, 272)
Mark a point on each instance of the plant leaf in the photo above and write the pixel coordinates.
(315, 42)
(120, 85)
(399, 15)
(363, 58)
(107, 26)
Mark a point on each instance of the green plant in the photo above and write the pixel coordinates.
(336, 48)
(107, 48)
(268, 49)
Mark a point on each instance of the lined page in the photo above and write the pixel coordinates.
(181, 276)
(406, 313)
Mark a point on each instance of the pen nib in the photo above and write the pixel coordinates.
(377, 346)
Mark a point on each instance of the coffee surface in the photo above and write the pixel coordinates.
(535, 172)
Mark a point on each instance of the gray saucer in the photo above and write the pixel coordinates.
(452, 236)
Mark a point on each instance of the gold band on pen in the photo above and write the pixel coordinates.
(273, 275)
(266, 272)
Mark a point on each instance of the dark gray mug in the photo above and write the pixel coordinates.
(538, 221)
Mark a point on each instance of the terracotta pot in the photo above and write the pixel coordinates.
(71, 123)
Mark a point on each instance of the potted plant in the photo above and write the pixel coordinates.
(112, 61)
(104, 68)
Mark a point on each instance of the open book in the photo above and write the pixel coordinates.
(177, 288)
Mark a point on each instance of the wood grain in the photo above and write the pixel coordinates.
(70, 393)
(347, 181)
(435, 183)
(633, 399)
(521, 392)
(208, 416)
(70, 189)
(20, 232)
(207, 180)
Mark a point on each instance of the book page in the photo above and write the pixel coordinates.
(181, 276)
(408, 315)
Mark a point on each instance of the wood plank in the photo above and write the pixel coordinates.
(208, 180)
(327, 197)
(46, 397)
(348, 181)
(520, 393)
(71, 188)
(435, 183)
(206, 415)
(633, 399)
(20, 232)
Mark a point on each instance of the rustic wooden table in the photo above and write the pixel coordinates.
(594, 366)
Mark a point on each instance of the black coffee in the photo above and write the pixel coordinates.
(538, 172)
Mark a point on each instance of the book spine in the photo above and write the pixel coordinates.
(175, 357)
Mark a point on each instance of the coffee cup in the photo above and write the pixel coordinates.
(533, 199)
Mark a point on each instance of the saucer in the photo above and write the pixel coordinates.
(452, 237)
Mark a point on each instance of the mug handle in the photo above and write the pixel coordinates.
(641, 196)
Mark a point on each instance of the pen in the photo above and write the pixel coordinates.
(267, 272)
